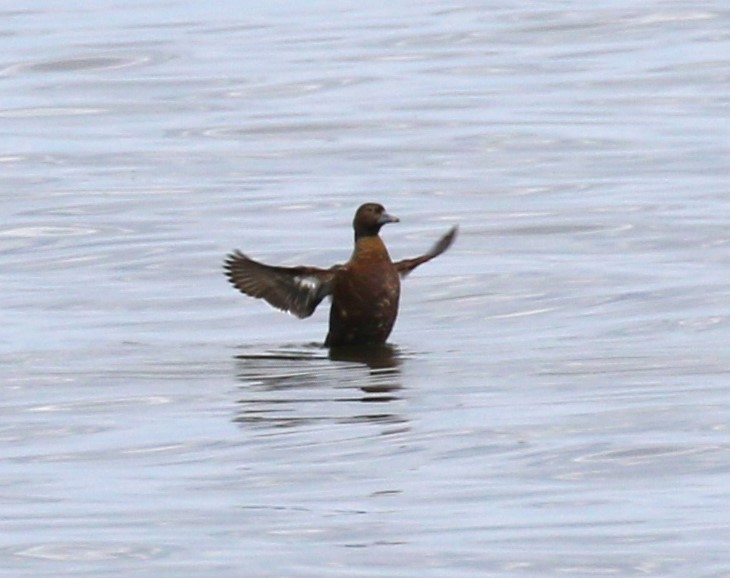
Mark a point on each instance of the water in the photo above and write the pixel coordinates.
(554, 400)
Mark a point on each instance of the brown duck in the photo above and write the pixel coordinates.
(364, 291)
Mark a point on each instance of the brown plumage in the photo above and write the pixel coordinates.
(365, 290)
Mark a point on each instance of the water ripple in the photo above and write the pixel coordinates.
(290, 387)
(82, 64)
(89, 551)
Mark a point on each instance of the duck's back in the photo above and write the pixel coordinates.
(364, 297)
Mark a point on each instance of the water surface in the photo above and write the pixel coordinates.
(554, 397)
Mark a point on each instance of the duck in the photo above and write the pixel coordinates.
(364, 292)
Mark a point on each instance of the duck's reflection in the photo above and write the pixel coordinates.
(298, 385)
(383, 362)
(382, 356)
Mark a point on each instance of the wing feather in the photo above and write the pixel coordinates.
(296, 290)
(407, 265)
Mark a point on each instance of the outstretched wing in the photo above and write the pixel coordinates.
(407, 265)
(296, 290)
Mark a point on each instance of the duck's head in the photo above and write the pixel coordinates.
(369, 218)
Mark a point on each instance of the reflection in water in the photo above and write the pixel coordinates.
(382, 359)
(376, 357)
(300, 384)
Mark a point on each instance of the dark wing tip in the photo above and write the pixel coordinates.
(444, 242)
(231, 260)
(245, 274)
(405, 266)
(237, 268)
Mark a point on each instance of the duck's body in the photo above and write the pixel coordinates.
(365, 296)
(365, 291)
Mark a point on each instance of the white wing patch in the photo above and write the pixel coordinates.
(308, 283)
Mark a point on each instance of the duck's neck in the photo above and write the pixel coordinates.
(370, 247)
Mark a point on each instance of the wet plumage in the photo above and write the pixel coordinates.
(365, 291)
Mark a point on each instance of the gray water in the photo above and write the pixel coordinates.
(554, 400)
